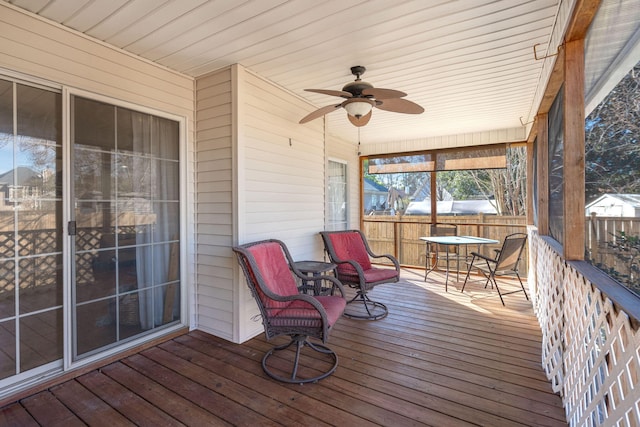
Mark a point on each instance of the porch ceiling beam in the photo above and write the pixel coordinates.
(584, 12)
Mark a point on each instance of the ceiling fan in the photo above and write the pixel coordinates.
(361, 97)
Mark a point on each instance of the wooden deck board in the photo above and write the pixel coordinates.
(87, 406)
(439, 358)
(16, 415)
(169, 401)
(47, 410)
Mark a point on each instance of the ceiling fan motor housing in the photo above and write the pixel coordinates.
(355, 88)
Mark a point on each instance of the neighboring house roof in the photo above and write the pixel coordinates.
(371, 186)
(452, 207)
(618, 205)
(25, 176)
(628, 199)
(424, 192)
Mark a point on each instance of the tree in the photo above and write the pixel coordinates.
(505, 188)
(612, 146)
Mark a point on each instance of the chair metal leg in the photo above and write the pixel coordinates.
(512, 292)
(375, 310)
(468, 272)
(300, 342)
(522, 286)
(494, 283)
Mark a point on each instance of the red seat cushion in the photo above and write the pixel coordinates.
(302, 314)
(372, 275)
(333, 305)
(274, 269)
(349, 246)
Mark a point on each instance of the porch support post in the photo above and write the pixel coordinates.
(574, 134)
(433, 187)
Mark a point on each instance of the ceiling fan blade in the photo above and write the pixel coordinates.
(399, 106)
(379, 93)
(319, 113)
(359, 122)
(340, 93)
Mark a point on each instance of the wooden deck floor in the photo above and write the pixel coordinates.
(439, 359)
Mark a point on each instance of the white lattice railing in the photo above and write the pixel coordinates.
(590, 350)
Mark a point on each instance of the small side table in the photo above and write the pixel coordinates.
(313, 269)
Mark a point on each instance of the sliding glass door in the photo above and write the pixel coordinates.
(113, 180)
(126, 217)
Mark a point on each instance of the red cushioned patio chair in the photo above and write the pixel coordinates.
(273, 280)
(351, 252)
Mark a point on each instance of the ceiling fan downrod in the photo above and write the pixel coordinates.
(357, 71)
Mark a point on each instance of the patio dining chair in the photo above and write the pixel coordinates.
(433, 254)
(349, 250)
(273, 281)
(505, 263)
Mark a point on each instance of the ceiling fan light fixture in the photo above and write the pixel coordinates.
(358, 107)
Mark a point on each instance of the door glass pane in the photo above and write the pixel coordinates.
(30, 225)
(8, 353)
(40, 338)
(93, 124)
(127, 215)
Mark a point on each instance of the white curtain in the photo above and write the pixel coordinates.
(156, 178)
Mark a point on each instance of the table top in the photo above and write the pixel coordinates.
(314, 266)
(459, 240)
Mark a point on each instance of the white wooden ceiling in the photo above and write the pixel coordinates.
(469, 63)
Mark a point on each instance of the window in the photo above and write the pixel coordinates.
(336, 196)
(480, 180)
(472, 187)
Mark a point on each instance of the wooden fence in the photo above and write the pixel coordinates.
(607, 249)
(400, 236)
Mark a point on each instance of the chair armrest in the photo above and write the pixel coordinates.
(354, 264)
(357, 267)
(484, 257)
(391, 258)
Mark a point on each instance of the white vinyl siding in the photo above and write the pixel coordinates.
(284, 170)
(30, 45)
(214, 211)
